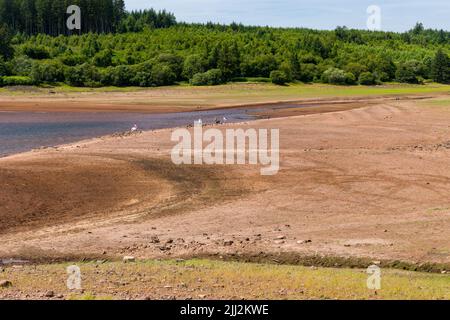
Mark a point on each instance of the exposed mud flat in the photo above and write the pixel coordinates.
(350, 186)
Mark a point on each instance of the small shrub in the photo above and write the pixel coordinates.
(17, 81)
(103, 58)
(337, 76)
(350, 78)
(20, 66)
(162, 75)
(36, 52)
(72, 60)
(209, 78)
(81, 76)
(47, 72)
(367, 79)
(279, 77)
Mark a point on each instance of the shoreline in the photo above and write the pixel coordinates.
(275, 110)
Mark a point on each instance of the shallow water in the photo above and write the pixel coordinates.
(24, 131)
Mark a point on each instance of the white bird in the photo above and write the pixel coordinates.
(200, 122)
(225, 119)
(134, 128)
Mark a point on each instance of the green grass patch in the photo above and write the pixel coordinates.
(223, 280)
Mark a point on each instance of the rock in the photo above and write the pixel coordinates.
(228, 243)
(128, 259)
(304, 241)
(279, 242)
(169, 241)
(154, 239)
(444, 271)
(49, 294)
(280, 238)
(202, 296)
(5, 284)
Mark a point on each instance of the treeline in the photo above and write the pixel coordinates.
(212, 54)
(98, 16)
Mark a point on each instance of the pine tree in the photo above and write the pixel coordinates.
(6, 50)
(441, 67)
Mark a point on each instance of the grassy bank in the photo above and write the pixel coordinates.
(188, 98)
(248, 90)
(205, 279)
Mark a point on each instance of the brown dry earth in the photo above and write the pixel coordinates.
(367, 182)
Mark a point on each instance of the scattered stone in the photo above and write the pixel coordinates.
(169, 241)
(279, 242)
(154, 239)
(304, 241)
(444, 271)
(228, 243)
(276, 261)
(280, 238)
(128, 259)
(49, 294)
(202, 296)
(5, 284)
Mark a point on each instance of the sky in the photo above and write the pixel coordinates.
(396, 15)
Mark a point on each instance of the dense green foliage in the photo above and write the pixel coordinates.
(100, 16)
(150, 49)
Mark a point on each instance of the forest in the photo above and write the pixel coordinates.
(148, 48)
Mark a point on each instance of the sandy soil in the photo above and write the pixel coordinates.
(182, 99)
(368, 182)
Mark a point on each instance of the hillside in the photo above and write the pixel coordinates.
(148, 49)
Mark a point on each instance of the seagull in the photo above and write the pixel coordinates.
(134, 128)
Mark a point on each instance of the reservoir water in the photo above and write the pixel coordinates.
(24, 131)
